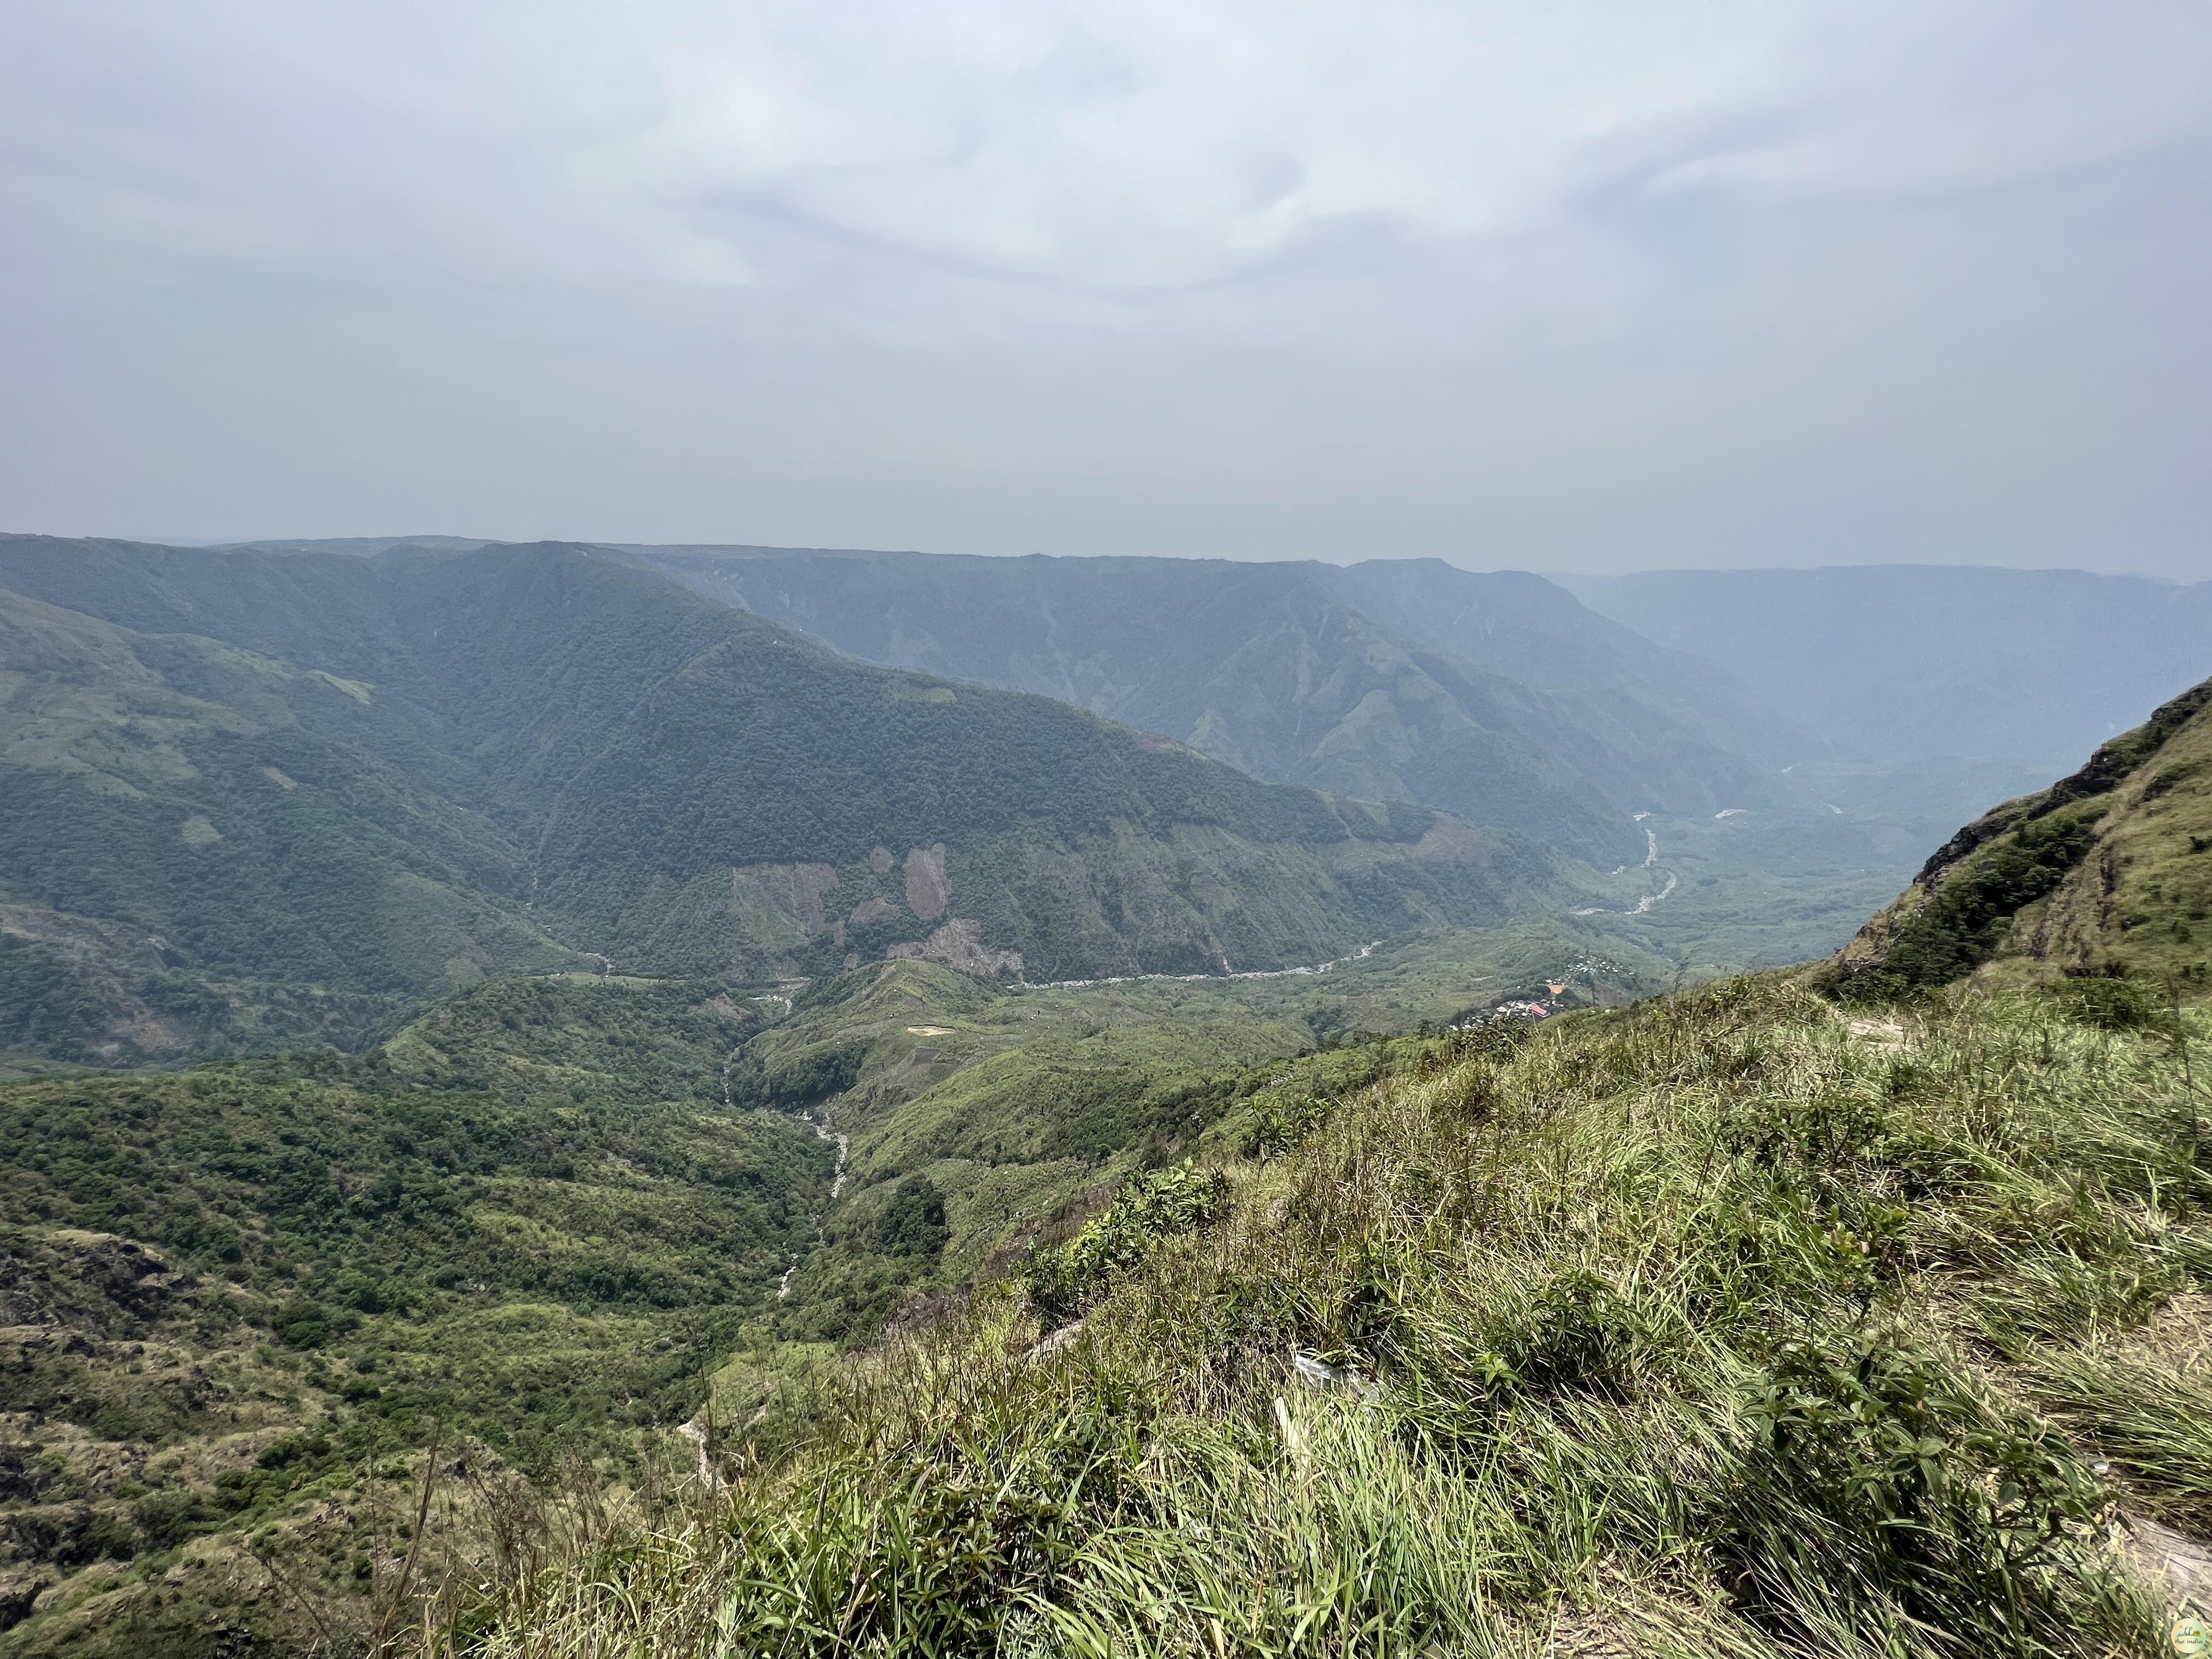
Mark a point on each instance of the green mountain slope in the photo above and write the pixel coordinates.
(1665, 712)
(380, 774)
(2108, 872)
(1498, 697)
(1616, 1325)
(206, 846)
(545, 1223)
(238, 1298)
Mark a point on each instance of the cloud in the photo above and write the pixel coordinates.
(1116, 146)
(1498, 281)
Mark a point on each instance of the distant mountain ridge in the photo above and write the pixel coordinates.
(383, 774)
(1498, 697)
(1893, 663)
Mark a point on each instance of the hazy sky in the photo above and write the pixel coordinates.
(1553, 285)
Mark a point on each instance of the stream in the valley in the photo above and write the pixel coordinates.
(1650, 861)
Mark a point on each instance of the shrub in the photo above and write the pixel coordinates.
(1152, 1204)
(1279, 1125)
(2114, 1004)
(1883, 1483)
(913, 1222)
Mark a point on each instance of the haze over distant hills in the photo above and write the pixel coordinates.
(1885, 664)
(1902, 662)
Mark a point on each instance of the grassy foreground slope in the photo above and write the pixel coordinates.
(1724, 1324)
(541, 1225)
(1733, 1322)
(995, 1108)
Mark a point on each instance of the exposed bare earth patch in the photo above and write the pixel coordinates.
(82, 937)
(927, 890)
(781, 903)
(959, 944)
(1449, 840)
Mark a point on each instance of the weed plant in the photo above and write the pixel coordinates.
(1721, 1325)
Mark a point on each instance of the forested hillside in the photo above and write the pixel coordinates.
(1498, 697)
(236, 1294)
(266, 795)
(204, 846)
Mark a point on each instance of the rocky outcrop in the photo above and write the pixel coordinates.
(928, 890)
(959, 944)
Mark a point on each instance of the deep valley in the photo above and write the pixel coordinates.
(549, 1108)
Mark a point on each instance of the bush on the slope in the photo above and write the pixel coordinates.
(1151, 1205)
(1883, 1489)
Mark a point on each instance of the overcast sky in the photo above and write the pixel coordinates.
(1556, 285)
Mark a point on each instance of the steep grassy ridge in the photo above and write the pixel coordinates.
(2108, 871)
(1716, 1325)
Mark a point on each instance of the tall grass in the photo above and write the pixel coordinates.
(1706, 1327)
